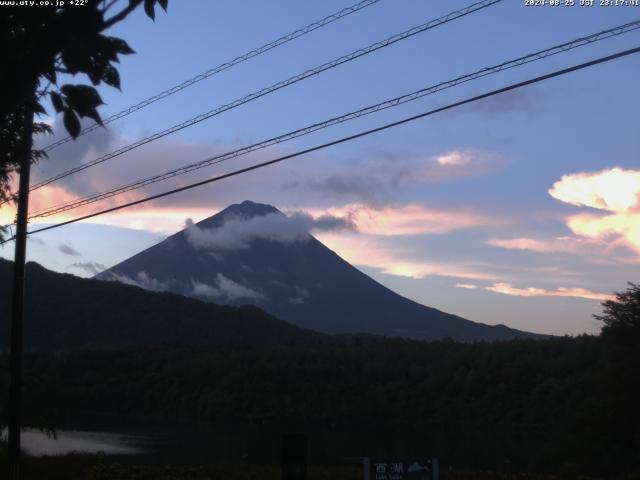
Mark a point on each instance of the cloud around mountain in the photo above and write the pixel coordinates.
(140, 279)
(236, 233)
(225, 289)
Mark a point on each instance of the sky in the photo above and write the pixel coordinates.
(522, 209)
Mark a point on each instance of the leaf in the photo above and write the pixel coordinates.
(121, 46)
(76, 57)
(108, 49)
(81, 97)
(94, 115)
(71, 123)
(37, 155)
(110, 76)
(164, 4)
(56, 100)
(94, 76)
(84, 100)
(149, 9)
(37, 108)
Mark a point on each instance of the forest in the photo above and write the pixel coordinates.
(558, 405)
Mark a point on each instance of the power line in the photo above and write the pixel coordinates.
(277, 86)
(539, 55)
(514, 86)
(223, 66)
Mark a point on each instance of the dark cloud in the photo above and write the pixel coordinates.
(72, 154)
(36, 240)
(362, 187)
(524, 100)
(158, 157)
(377, 180)
(68, 250)
(373, 179)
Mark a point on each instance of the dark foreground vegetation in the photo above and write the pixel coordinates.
(97, 468)
(563, 405)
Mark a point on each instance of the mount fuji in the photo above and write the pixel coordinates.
(252, 253)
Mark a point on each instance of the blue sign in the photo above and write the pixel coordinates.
(384, 469)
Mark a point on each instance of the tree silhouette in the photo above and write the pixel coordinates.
(621, 338)
(36, 45)
(38, 42)
(623, 313)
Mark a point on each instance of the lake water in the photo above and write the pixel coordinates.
(157, 442)
(67, 441)
(38, 443)
(160, 442)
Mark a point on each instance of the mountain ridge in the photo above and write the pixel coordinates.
(65, 312)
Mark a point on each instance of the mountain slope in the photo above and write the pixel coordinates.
(65, 312)
(252, 253)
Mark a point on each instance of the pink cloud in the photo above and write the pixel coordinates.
(150, 217)
(468, 286)
(455, 158)
(454, 164)
(368, 252)
(571, 245)
(411, 219)
(562, 244)
(508, 289)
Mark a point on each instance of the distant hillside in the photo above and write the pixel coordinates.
(252, 253)
(67, 312)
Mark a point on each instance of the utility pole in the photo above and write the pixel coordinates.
(17, 300)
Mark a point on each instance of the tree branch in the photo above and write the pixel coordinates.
(44, 91)
(107, 6)
(124, 13)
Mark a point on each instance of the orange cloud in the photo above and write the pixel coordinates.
(468, 286)
(613, 190)
(364, 251)
(508, 289)
(619, 228)
(412, 219)
(164, 217)
(165, 221)
(556, 245)
(153, 217)
(40, 199)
